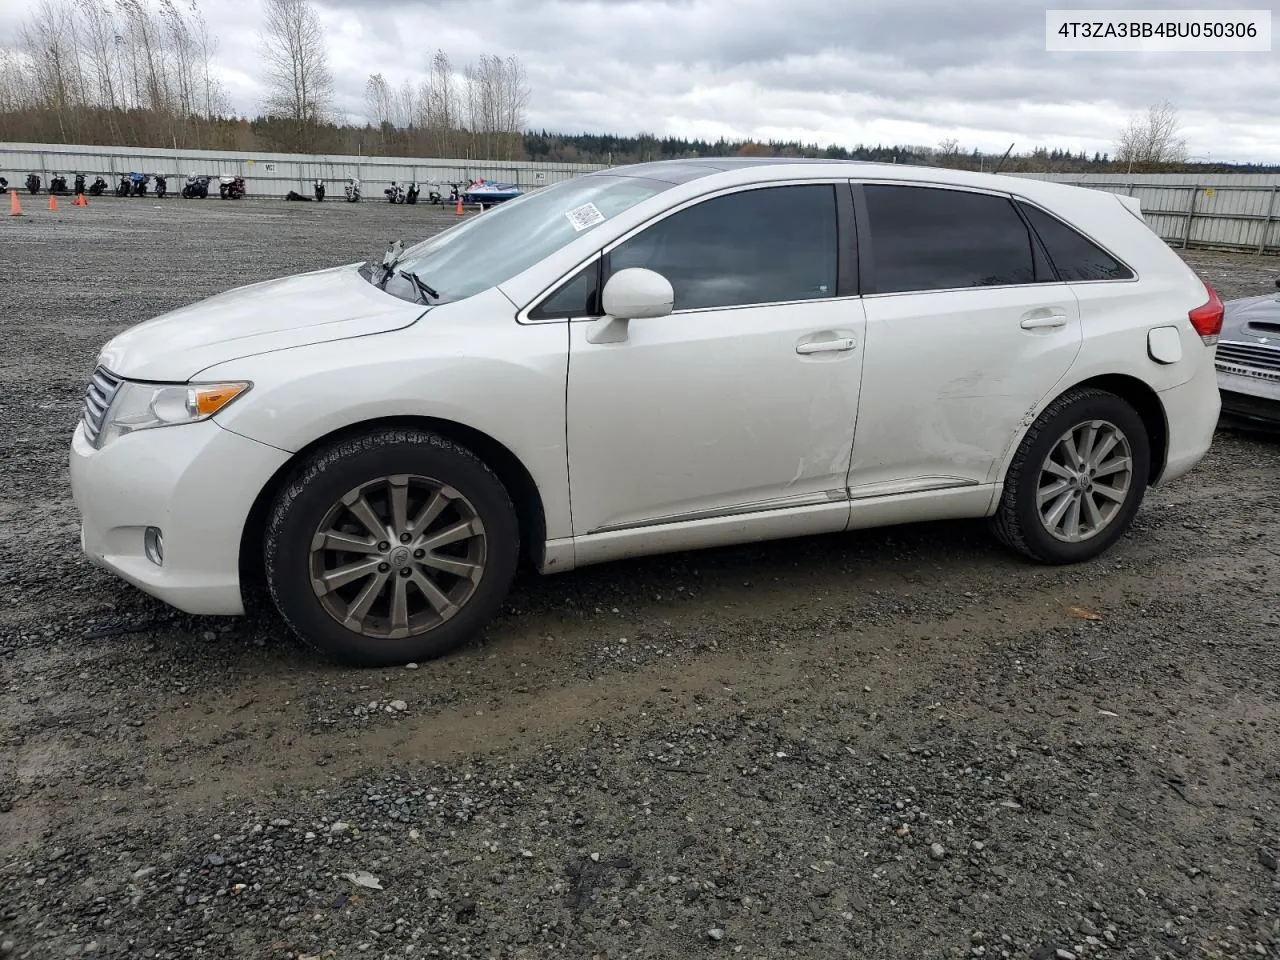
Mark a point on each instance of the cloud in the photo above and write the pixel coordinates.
(887, 71)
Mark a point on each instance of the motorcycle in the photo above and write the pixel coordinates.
(79, 184)
(4, 184)
(140, 181)
(123, 187)
(98, 187)
(395, 193)
(58, 185)
(319, 189)
(33, 183)
(433, 196)
(412, 195)
(162, 186)
(353, 189)
(195, 187)
(231, 188)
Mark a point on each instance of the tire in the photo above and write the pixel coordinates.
(422, 464)
(1018, 521)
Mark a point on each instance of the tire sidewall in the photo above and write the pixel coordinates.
(303, 503)
(1093, 406)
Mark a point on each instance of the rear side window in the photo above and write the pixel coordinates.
(1075, 256)
(930, 238)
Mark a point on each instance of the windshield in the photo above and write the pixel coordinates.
(495, 246)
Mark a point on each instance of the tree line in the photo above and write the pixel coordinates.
(140, 73)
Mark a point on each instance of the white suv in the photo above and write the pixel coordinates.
(645, 359)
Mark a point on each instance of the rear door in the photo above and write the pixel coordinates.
(967, 329)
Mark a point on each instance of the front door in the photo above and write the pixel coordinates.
(742, 399)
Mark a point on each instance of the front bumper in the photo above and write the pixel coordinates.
(1252, 398)
(196, 483)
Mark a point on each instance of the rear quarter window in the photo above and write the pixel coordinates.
(1075, 256)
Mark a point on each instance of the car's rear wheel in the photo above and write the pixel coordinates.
(1077, 479)
(391, 547)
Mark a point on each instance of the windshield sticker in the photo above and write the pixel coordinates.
(584, 216)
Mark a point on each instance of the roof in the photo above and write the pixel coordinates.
(724, 168)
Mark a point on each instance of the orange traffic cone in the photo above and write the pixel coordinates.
(459, 206)
(53, 203)
(15, 208)
(80, 201)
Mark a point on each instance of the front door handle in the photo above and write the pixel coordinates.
(1052, 320)
(827, 346)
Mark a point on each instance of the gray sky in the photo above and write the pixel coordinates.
(831, 71)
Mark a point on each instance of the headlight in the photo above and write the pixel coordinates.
(142, 406)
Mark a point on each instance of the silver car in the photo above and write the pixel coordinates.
(1248, 359)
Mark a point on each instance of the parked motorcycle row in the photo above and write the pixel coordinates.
(394, 193)
(199, 186)
(134, 185)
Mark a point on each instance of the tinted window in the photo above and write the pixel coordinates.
(924, 238)
(576, 297)
(757, 246)
(1075, 256)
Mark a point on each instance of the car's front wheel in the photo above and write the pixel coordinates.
(1077, 479)
(391, 547)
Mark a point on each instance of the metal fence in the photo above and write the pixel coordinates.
(1229, 211)
(271, 174)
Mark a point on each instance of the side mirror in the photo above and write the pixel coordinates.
(631, 294)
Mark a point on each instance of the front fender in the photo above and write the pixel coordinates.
(503, 379)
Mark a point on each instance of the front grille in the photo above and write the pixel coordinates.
(1252, 372)
(1255, 355)
(97, 399)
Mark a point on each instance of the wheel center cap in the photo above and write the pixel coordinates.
(399, 557)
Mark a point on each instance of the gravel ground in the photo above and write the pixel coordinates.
(901, 743)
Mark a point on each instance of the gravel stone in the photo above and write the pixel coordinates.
(776, 714)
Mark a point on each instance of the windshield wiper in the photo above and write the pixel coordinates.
(389, 260)
(419, 284)
(394, 254)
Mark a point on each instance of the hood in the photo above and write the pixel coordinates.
(332, 304)
(1252, 319)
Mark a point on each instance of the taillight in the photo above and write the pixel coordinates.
(1207, 318)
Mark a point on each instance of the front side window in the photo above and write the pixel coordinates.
(576, 297)
(764, 245)
(930, 238)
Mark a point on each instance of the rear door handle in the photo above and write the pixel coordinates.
(827, 346)
(1052, 320)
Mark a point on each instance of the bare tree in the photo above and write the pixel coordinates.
(297, 66)
(514, 102)
(443, 110)
(1152, 141)
(405, 103)
(215, 101)
(54, 62)
(377, 99)
(16, 93)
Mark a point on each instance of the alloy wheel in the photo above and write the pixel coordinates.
(397, 556)
(1084, 481)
